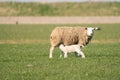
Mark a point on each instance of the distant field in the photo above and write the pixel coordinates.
(24, 51)
(42, 32)
(60, 9)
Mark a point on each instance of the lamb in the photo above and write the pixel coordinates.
(71, 48)
(70, 36)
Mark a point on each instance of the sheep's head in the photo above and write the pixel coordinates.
(90, 30)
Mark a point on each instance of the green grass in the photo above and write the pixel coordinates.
(22, 61)
(42, 32)
(60, 9)
(30, 61)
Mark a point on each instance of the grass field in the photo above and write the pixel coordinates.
(24, 51)
(60, 9)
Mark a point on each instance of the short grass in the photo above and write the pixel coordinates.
(60, 9)
(42, 32)
(22, 61)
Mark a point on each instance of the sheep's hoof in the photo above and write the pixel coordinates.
(50, 57)
(65, 57)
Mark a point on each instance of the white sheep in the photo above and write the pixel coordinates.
(71, 48)
(70, 36)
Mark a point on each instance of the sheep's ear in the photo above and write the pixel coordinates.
(85, 28)
(97, 28)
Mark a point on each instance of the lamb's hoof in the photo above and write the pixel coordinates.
(83, 57)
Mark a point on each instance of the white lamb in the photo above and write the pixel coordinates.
(71, 48)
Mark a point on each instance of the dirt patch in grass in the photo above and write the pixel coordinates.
(59, 20)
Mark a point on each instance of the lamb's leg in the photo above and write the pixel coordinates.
(65, 55)
(51, 51)
(76, 54)
(80, 53)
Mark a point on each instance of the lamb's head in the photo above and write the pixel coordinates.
(61, 46)
(90, 30)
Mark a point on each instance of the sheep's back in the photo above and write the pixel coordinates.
(71, 35)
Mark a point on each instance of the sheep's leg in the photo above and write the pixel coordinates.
(51, 51)
(65, 55)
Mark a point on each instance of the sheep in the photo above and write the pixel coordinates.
(71, 48)
(69, 36)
